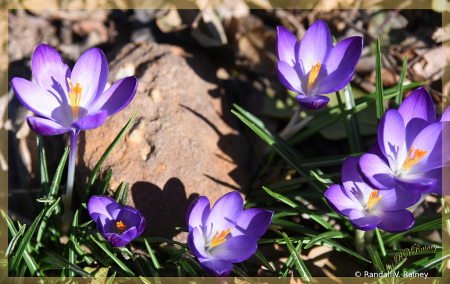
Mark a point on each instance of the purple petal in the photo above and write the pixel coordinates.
(45, 126)
(414, 127)
(335, 81)
(377, 172)
(376, 150)
(395, 199)
(130, 217)
(101, 205)
(198, 212)
(91, 72)
(225, 214)
(253, 222)
(117, 97)
(339, 200)
(429, 139)
(312, 102)
(216, 267)
(122, 240)
(396, 221)
(289, 77)
(91, 121)
(51, 73)
(391, 136)
(346, 53)
(37, 100)
(315, 45)
(416, 185)
(235, 249)
(354, 185)
(362, 221)
(445, 116)
(418, 105)
(442, 177)
(287, 46)
(196, 243)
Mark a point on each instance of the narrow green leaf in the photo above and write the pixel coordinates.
(290, 261)
(106, 182)
(150, 268)
(14, 240)
(111, 279)
(118, 192)
(103, 158)
(42, 164)
(263, 261)
(72, 242)
(301, 268)
(347, 127)
(43, 225)
(326, 235)
(23, 244)
(379, 83)
(123, 200)
(152, 255)
(159, 240)
(381, 243)
(399, 97)
(54, 188)
(144, 280)
(62, 263)
(425, 264)
(375, 258)
(112, 256)
(350, 104)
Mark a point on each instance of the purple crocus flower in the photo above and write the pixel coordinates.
(368, 208)
(71, 101)
(314, 66)
(117, 224)
(226, 234)
(409, 153)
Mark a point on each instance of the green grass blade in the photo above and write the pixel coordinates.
(111, 279)
(399, 97)
(43, 225)
(123, 200)
(25, 241)
(57, 177)
(379, 83)
(289, 262)
(112, 256)
(375, 258)
(263, 261)
(347, 127)
(326, 235)
(144, 280)
(62, 263)
(42, 164)
(103, 158)
(118, 192)
(106, 182)
(72, 242)
(381, 243)
(14, 240)
(301, 268)
(152, 255)
(159, 240)
(425, 264)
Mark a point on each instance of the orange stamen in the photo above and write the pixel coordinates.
(418, 155)
(313, 74)
(75, 97)
(120, 226)
(218, 240)
(373, 198)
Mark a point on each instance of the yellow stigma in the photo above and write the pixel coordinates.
(313, 74)
(218, 240)
(75, 98)
(373, 198)
(418, 155)
(120, 226)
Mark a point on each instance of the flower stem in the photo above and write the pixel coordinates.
(292, 121)
(67, 199)
(414, 207)
(360, 241)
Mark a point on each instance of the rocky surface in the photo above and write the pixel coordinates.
(183, 143)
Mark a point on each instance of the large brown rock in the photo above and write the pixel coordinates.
(181, 144)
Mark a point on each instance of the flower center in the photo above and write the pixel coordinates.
(372, 199)
(418, 155)
(217, 240)
(120, 226)
(75, 98)
(313, 74)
